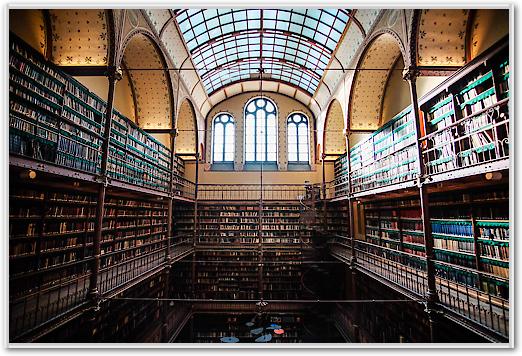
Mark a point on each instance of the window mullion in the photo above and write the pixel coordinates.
(224, 142)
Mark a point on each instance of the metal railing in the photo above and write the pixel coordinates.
(286, 192)
(183, 187)
(409, 272)
(46, 303)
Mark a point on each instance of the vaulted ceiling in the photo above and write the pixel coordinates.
(293, 46)
(149, 82)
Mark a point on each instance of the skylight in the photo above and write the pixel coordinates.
(290, 45)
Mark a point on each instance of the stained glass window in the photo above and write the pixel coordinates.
(298, 145)
(260, 131)
(223, 138)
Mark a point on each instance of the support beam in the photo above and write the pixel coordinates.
(113, 75)
(410, 74)
(434, 71)
(170, 237)
(161, 131)
(85, 71)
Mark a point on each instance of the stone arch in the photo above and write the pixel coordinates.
(371, 77)
(333, 135)
(369, 84)
(186, 124)
(143, 62)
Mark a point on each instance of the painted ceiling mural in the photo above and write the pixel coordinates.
(334, 141)
(150, 83)
(186, 138)
(370, 82)
(442, 37)
(79, 37)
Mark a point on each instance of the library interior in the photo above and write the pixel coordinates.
(271, 175)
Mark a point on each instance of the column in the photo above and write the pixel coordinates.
(410, 74)
(170, 233)
(113, 74)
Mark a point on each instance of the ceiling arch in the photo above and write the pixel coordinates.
(79, 37)
(151, 86)
(257, 85)
(186, 140)
(442, 37)
(370, 81)
(333, 139)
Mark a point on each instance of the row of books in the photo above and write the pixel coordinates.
(454, 245)
(497, 233)
(500, 252)
(460, 228)
(501, 271)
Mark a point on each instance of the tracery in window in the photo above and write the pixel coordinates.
(223, 139)
(297, 133)
(260, 131)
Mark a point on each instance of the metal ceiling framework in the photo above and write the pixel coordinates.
(293, 46)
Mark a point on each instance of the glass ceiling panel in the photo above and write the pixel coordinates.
(290, 45)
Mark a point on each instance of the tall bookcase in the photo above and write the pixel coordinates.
(55, 119)
(51, 231)
(56, 128)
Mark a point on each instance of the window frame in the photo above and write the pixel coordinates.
(245, 113)
(232, 122)
(290, 117)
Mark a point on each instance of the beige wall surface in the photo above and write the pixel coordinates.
(253, 177)
(396, 94)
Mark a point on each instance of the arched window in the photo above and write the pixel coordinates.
(298, 145)
(223, 138)
(260, 131)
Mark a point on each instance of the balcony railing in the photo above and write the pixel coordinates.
(409, 272)
(287, 192)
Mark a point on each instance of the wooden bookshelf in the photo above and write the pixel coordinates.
(54, 118)
(471, 238)
(51, 232)
(387, 156)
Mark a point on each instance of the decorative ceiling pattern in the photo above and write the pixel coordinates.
(230, 45)
(367, 17)
(442, 37)
(29, 24)
(158, 18)
(150, 84)
(186, 126)
(489, 25)
(334, 141)
(79, 37)
(370, 82)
